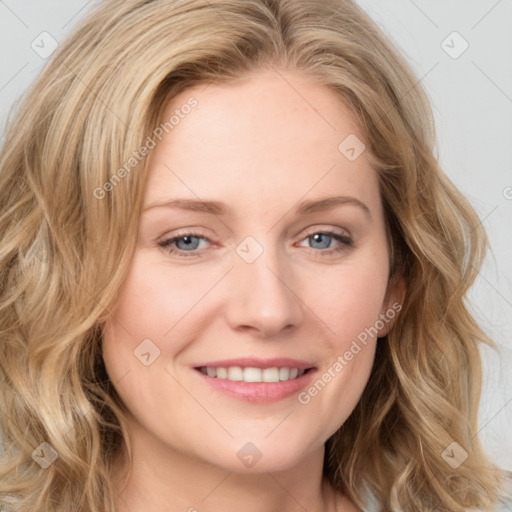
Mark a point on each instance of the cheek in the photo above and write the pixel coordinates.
(348, 307)
(349, 303)
(141, 313)
(348, 300)
(152, 303)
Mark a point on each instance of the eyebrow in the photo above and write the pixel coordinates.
(219, 208)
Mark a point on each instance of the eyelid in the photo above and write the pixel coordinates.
(341, 235)
(330, 229)
(304, 233)
(167, 239)
(181, 232)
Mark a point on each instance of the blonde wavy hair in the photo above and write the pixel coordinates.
(65, 250)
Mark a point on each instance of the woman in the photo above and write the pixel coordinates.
(172, 337)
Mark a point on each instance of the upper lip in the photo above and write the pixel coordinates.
(253, 362)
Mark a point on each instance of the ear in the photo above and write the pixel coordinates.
(392, 304)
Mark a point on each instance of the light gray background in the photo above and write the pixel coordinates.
(472, 102)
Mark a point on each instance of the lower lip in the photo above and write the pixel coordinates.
(264, 392)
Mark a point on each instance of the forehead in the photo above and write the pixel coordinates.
(275, 136)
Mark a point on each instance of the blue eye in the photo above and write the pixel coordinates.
(186, 245)
(325, 237)
(190, 243)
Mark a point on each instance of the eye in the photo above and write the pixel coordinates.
(182, 244)
(187, 244)
(323, 239)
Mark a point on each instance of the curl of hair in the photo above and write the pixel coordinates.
(69, 220)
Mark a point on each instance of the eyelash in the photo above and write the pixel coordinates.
(346, 243)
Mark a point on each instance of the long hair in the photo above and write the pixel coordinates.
(71, 184)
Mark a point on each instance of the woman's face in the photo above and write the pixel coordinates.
(247, 267)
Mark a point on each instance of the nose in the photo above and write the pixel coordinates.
(262, 298)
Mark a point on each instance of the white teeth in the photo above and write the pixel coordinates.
(284, 373)
(270, 375)
(251, 374)
(235, 373)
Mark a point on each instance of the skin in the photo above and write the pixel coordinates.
(260, 145)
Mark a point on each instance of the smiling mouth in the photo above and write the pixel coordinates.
(251, 374)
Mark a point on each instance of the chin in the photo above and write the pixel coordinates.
(263, 455)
